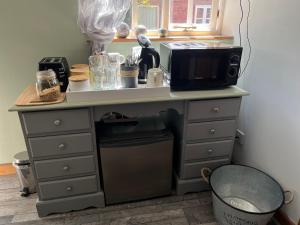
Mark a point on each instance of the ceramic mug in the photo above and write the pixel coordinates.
(116, 58)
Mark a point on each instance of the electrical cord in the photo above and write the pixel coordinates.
(247, 34)
(241, 20)
(248, 38)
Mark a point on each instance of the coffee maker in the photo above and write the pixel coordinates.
(149, 58)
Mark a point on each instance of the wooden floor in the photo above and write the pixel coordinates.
(191, 209)
(7, 169)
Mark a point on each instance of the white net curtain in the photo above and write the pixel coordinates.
(99, 18)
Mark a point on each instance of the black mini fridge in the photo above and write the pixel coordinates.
(136, 159)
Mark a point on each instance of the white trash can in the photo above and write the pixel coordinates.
(25, 174)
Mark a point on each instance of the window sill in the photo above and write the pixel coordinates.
(176, 38)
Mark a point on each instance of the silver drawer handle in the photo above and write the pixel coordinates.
(61, 146)
(212, 131)
(69, 188)
(210, 151)
(66, 168)
(216, 109)
(57, 122)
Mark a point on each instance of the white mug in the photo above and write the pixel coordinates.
(115, 57)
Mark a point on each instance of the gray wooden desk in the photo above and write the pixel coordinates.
(62, 145)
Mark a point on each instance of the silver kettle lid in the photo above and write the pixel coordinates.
(143, 40)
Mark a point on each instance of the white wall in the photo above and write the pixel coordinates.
(270, 115)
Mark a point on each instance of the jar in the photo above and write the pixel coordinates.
(47, 85)
(79, 83)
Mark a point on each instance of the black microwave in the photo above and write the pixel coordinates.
(196, 65)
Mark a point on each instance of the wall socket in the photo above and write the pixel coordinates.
(240, 137)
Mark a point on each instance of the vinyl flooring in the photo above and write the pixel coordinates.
(190, 209)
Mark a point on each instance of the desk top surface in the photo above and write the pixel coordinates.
(229, 92)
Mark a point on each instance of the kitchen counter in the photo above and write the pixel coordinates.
(229, 92)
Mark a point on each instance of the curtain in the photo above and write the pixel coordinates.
(99, 18)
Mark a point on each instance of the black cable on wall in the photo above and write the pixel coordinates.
(247, 34)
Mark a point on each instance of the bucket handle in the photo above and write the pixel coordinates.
(291, 197)
(205, 173)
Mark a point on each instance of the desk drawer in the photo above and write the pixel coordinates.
(210, 130)
(60, 145)
(193, 170)
(64, 167)
(68, 187)
(208, 150)
(212, 109)
(56, 121)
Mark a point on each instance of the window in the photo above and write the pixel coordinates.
(178, 16)
(202, 14)
(149, 16)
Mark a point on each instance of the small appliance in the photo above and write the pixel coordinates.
(139, 152)
(149, 58)
(61, 68)
(196, 65)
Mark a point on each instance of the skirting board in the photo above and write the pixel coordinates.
(7, 169)
(283, 219)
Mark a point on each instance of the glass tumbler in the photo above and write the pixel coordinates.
(115, 60)
(110, 76)
(97, 65)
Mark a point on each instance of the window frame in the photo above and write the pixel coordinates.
(217, 10)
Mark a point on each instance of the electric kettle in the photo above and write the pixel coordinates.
(149, 58)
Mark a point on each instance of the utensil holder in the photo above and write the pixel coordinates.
(129, 76)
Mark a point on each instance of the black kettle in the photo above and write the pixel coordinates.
(149, 58)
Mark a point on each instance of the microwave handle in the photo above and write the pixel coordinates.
(156, 57)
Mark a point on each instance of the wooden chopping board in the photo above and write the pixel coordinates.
(30, 98)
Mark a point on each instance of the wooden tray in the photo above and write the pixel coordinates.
(30, 98)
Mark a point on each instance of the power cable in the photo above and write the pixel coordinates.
(247, 34)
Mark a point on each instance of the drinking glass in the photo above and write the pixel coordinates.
(155, 77)
(97, 64)
(115, 60)
(110, 77)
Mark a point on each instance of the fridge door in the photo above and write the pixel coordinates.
(135, 171)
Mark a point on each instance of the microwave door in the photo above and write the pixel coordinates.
(191, 69)
(202, 68)
(207, 68)
(198, 68)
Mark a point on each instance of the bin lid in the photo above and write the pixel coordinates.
(21, 158)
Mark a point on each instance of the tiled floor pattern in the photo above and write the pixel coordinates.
(191, 209)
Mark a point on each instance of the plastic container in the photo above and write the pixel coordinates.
(25, 174)
(47, 85)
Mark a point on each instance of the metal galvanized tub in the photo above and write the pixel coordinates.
(243, 195)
